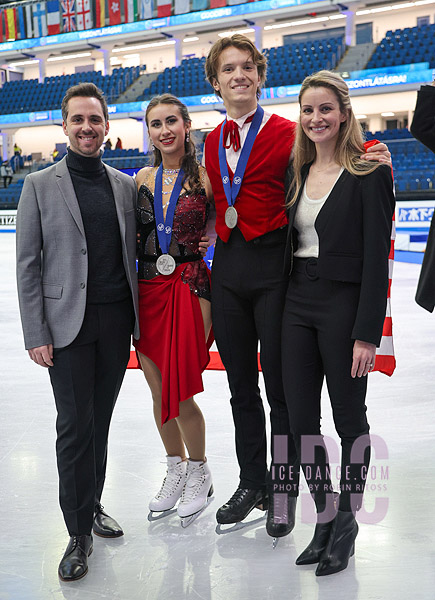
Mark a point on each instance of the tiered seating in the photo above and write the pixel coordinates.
(31, 96)
(130, 158)
(9, 196)
(289, 65)
(413, 163)
(186, 80)
(405, 46)
(390, 134)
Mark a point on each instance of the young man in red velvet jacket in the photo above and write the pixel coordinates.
(246, 158)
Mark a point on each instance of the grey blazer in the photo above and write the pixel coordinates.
(52, 263)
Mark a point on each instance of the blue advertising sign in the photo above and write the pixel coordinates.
(414, 214)
(376, 79)
(422, 66)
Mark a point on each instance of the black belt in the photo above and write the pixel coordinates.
(307, 266)
(178, 259)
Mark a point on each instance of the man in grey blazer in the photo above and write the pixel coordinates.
(77, 287)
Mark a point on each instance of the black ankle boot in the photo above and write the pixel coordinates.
(313, 551)
(281, 515)
(341, 544)
(315, 548)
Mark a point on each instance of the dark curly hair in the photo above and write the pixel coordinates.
(189, 162)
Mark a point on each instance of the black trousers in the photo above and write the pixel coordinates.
(86, 379)
(248, 290)
(316, 343)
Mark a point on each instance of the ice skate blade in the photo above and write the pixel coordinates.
(275, 543)
(237, 526)
(186, 521)
(154, 515)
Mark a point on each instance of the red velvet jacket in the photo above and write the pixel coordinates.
(260, 203)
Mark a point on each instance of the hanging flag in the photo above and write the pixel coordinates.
(68, 15)
(21, 23)
(199, 4)
(181, 7)
(84, 17)
(146, 9)
(164, 8)
(53, 17)
(29, 21)
(217, 3)
(10, 16)
(100, 13)
(39, 19)
(385, 361)
(114, 12)
(130, 11)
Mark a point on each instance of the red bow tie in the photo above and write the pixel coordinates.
(231, 129)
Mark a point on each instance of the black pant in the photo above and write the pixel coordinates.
(5, 180)
(248, 290)
(86, 379)
(316, 342)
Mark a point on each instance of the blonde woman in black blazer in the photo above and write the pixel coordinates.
(340, 216)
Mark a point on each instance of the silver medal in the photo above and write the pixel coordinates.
(231, 217)
(166, 264)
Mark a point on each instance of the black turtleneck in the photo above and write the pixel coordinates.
(107, 281)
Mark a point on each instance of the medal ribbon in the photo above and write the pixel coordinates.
(231, 191)
(164, 226)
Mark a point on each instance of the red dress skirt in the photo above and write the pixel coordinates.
(173, 337)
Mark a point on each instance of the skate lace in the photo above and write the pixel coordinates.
(237, 497)
(170, 482)
(195, 481)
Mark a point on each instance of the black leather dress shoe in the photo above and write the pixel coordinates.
(281, 515)
(105, 526)
(74, 564)
(240, 505)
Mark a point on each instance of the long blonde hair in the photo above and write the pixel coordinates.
(350, 141)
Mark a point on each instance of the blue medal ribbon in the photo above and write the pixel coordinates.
(164, 226)
(231, 191)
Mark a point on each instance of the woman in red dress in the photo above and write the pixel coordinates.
(175, 312)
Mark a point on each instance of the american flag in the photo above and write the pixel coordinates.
(68, 15)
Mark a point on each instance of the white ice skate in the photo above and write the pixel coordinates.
(163, 503)
(197, 492)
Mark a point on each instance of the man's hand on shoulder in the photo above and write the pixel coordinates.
(378, 152)
(42, 355)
